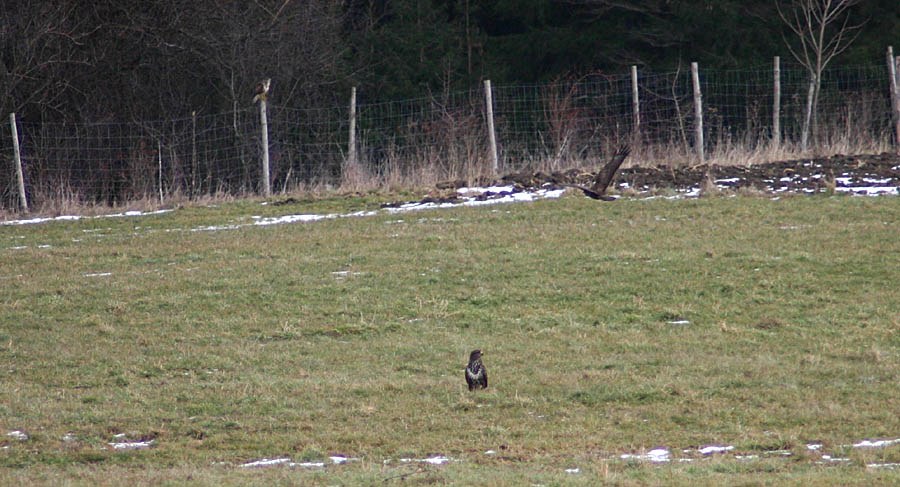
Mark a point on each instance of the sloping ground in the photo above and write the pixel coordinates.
(870, 174)
(865, 173)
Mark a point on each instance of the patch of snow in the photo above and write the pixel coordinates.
(343, 274)
(131, 445)
(829, 458)
(876, 443)
(265, 462)
(491, 189)
(491, 452)
(286, 219)
(32, 221)
(713, 449)
(693, 192)
(573, 471)
(813, 446)
(17, 435)
(728, 181)
(656, 455)
(215, 228)
(436, 460)
(98, 274)
(877, 180)
(869, 190)
(783, 453)
(679, 322)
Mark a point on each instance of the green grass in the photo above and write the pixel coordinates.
(235, 345)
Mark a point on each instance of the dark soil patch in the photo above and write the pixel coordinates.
(865, 173)
(800, 175)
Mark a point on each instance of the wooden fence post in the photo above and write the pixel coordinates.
(698, 111)
(351, 145)
(492, 137)
(23, 199)
(635, 107)
(194, 154)
(895, 93)
(159, 159)
(264, 122)
(776, 103)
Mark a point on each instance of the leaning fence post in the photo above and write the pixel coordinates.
(492, 137)
(635, 107)
(351, 145)
(776, 103)
(23, 200)
(895, 94)
(698, 111)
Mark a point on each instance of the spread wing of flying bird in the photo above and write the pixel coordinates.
(605, 176)
(261, 90)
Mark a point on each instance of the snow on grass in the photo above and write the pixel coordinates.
(17, 435)
(876, 443)
(713, 449)
(265, 462)
(497, 195)
(868, 190)
(489, 189)
(478, 196)
(287, 462)
(435, 460)
(32, 221)
(656, 455)
(131, 445)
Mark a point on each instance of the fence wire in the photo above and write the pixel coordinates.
(551, 125)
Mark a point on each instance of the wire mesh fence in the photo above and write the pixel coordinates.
(569, 122)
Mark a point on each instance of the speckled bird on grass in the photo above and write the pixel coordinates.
(476, 374)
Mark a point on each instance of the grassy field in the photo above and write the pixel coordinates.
(608, 329)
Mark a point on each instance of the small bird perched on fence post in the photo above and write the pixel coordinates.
(476, 374)
(261, 90)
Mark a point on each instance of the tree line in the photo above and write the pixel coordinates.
(127, 60)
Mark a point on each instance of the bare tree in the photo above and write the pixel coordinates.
(823, 30)
(41, 49)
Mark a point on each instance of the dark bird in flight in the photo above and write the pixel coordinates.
(476, 374)
(605, 176)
